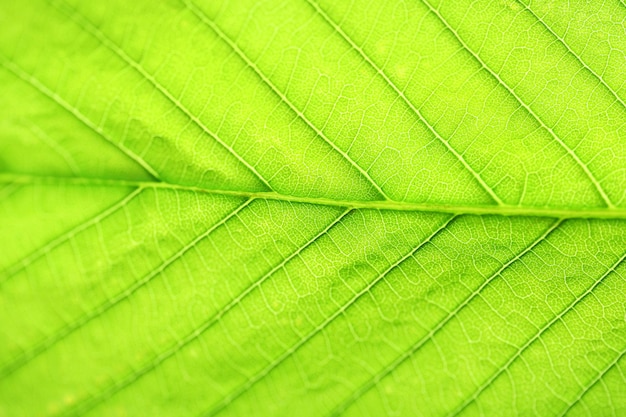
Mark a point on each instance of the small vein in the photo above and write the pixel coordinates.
(7, 190)
(90, 28)
(598, 187)
(404, 98)
(431, 334)
(213, 26)
(533, 339)
(56, 148)
(133, 377)
(592, 383)
(30, 354)
(39, 86)
(293, 349)
(572, 53)
(38, 253)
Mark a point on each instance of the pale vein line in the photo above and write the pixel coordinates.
(33, 256)
(56, 147)
(293, 349)
(8, 190)
(39, 86)
(131, 378)
(530, 111)
(579, 59)
(404, 98)
(416, 346)
(213, 26)
(533, 339)
(592, 383)
(90, 28)
(70, 328)
(565, 213)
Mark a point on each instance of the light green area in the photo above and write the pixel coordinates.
(312, 208)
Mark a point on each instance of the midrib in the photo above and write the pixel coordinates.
(504, 210)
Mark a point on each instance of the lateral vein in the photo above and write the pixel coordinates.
(594, 181)
(220, 33)
(405, 99)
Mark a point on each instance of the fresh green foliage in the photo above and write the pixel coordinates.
(312, 207)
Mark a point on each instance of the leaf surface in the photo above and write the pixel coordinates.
(409, 207)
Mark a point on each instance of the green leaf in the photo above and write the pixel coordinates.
(407, 207)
